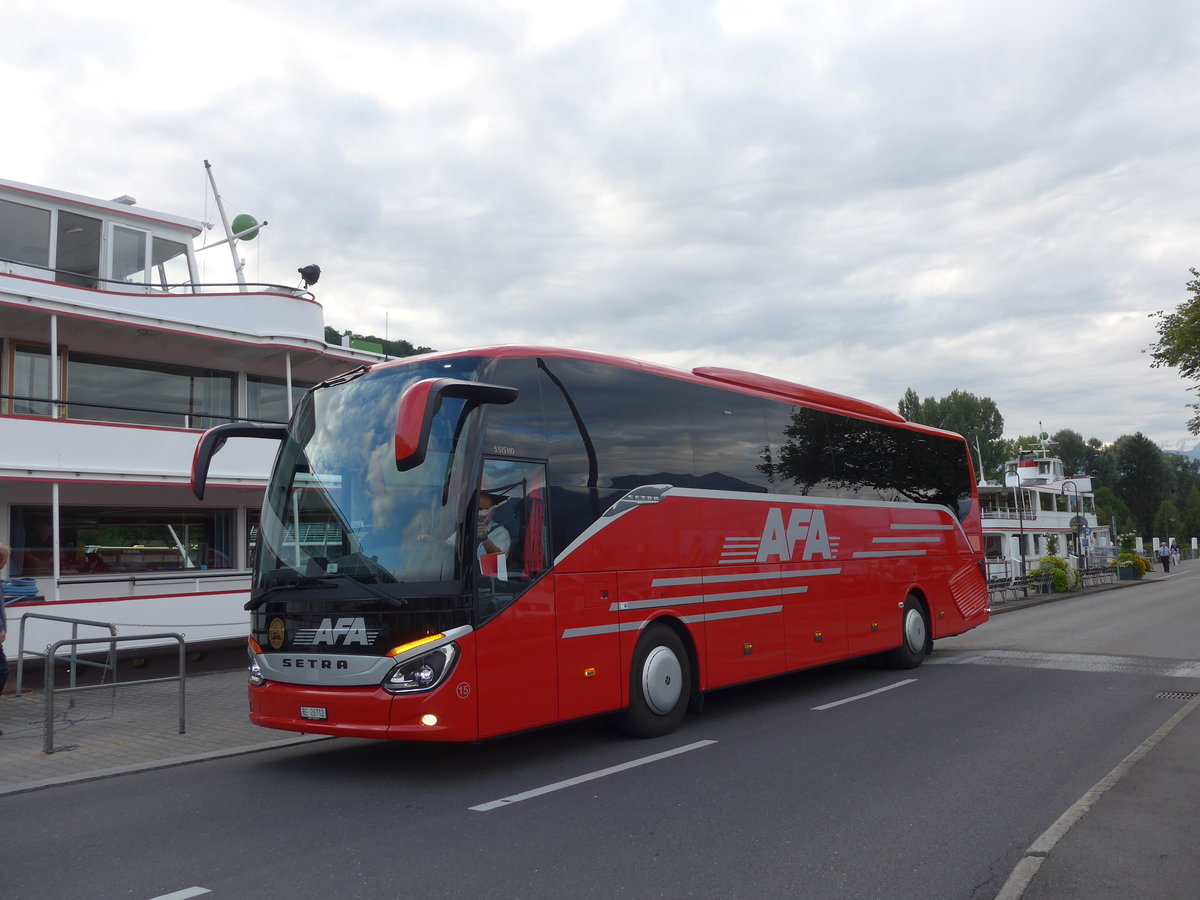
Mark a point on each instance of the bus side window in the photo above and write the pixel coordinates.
(521, 488)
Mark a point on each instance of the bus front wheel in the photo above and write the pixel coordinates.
(914, 629)
(660, 683)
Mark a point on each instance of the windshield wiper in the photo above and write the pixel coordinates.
(324, 581)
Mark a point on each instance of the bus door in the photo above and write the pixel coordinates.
(515, 640)
(589, 655)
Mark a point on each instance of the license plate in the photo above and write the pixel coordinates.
(313, 712)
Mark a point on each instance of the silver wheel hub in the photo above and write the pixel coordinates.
(914, 630)
(662, 680)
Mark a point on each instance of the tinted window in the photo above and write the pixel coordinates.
(24, 233)
(608, 429)
(802, 460)
(729, 440)
(515, 429)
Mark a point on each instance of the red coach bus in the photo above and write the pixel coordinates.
(461, 545)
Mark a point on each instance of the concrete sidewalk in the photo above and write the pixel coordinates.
(129, 729)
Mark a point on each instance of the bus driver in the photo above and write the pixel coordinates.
(492, 536)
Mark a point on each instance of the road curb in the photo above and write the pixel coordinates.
(97, 774)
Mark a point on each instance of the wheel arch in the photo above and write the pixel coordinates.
(689, 644)
(918, 593)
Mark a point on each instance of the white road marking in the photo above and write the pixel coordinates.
(591, 776)
(1074, 662)
(1025, 870)
(867, 694)
(184, 894)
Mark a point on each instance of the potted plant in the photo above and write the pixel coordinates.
(1130, 564)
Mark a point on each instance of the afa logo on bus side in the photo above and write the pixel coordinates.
(804, 526)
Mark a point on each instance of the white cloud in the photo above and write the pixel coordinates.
(865, 196)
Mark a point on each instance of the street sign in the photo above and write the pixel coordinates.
(1078, 523)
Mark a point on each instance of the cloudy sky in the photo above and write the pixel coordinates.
(862, 195)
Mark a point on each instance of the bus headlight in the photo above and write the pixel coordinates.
(255, 670)
(424, 672)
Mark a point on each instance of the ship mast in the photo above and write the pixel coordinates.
(230, 237)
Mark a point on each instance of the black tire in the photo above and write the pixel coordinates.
(914, 633)
(660, 684)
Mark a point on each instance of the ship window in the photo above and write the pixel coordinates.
(129, 255)
(30, 380)
(137, 392)
(103, 539)
(24, 233)
(170, 260)
(266, 398)
(78, 255)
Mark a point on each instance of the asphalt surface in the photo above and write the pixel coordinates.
(1148, 799)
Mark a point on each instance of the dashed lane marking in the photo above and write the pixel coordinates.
(590, 776)
(867, 694)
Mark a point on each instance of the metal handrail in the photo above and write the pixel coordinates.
(1007, 512)
(176, 575)
(140, 409)
(49, 690)
(111, 665)
(166, 290)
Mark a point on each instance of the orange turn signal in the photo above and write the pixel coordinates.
(404, 648)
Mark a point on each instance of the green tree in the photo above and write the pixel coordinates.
(1183, 474)
(975, 418)
(1101, 465)
(1110, 508)
(1168, 523)
(390, 348)
(1191, 514)
(1178, 343)
(1140, 477)
(1070, 447)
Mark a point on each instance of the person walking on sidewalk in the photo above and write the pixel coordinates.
(1176, 553)
(1164, 555)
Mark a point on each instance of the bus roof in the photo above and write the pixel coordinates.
(735, 379)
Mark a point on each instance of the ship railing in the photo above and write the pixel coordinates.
(190, 420)
(120, 286)
(192, 576)
(1007, 512)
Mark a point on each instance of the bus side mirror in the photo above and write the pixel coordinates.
(420, 403)
(214, 439)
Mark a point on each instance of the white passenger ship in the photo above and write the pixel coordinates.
(113, 360)
(1039, 500)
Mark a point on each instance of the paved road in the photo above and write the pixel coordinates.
(849, 781)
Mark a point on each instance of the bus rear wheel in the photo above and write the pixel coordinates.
(660, 684)
(914, 629)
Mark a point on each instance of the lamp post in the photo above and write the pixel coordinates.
(1013, 480)
(1078, 522)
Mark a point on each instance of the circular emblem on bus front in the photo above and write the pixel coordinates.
(276, 633)
(463, 690)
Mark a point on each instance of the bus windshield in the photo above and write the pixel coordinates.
(337, 508)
